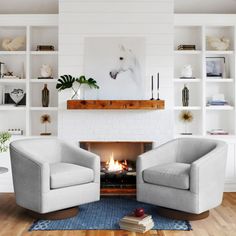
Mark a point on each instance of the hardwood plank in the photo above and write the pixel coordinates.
(116, 104)
(221, 222)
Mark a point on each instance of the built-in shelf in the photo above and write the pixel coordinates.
(190, 108)
(12, 108)
(43, 80)
(44, 108)
(44, 52)
(223, 80)
(218, 108)
(12, 81)
(219, 52)
(194, 31)
(177, 80)
(12, 52)
(188, 52)
(39, 29)
(116, 104)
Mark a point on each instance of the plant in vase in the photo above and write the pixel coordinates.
(4, 137)
(68, 81)
(186, 117)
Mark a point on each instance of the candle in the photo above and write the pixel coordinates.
(158, 81)
(152, 82)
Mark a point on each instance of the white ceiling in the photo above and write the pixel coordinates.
(205, 6)
(181, 6)
(28, 6)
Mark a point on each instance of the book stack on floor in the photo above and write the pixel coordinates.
(137, 224)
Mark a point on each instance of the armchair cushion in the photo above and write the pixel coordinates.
(65, 175)
(175, 175)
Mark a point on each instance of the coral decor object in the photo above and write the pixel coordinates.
(13, 44)
(218, 44)
(187, 71)
(46, 71)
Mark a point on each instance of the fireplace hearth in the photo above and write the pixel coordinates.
(118, 164)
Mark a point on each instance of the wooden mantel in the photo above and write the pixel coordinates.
(116, 104)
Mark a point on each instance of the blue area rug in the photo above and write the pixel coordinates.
(105, 215)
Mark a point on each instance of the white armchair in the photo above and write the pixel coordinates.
(185, 174)
(50, 175)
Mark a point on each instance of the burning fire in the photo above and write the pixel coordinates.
(113, 165)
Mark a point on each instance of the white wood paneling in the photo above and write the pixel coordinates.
(152, 19)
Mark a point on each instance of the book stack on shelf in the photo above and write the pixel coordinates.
(137, 224)
(217, 100)
(186, 47)
(217, 132)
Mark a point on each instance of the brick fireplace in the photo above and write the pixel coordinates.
(118, 164)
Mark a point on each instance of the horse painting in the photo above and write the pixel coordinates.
(126, 62)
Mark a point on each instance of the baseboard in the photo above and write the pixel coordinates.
(230, 187)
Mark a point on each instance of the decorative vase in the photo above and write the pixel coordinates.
(45, 96)
(187, 71)
(185, 96)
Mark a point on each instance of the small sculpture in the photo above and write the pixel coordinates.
(13, 44)
(185, 96)
(187, 71)
(46, 71)
(17, 95)
(218, 44)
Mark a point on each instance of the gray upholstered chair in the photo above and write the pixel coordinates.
(185, 174)
(50, 175)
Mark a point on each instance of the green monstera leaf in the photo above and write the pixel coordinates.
(65, 82)
(90, 82)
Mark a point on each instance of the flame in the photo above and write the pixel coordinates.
(114, 165)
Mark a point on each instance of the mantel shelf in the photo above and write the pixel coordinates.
(116, 104)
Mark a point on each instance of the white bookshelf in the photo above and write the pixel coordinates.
(191, 29)
(38, 30)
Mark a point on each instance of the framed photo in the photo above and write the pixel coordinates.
(215, 67)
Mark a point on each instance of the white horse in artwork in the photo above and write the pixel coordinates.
(126, 62)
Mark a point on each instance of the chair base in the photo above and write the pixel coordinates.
(56, 215)
(181, 215)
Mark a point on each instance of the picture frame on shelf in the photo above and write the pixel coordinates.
(215, 67)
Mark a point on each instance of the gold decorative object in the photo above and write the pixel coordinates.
(186, 117)
(45, 119)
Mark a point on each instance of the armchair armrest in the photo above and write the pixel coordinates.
(207, 173)
(79, 156)
(31, 178)
(166, 153)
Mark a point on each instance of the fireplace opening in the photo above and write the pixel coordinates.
(118, 164)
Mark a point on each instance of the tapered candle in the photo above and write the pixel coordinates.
(152, 82)
(158, 81)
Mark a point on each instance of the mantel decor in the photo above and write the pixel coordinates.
(68, 81)
(116, 104)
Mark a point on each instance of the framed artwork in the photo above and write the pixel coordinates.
(14, 95)
(215, 67)
(118, 66)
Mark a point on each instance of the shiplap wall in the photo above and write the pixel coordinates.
(152, 19)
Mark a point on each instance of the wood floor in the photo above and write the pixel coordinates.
(221, 222)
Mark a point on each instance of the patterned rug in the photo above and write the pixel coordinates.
(105, 215)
